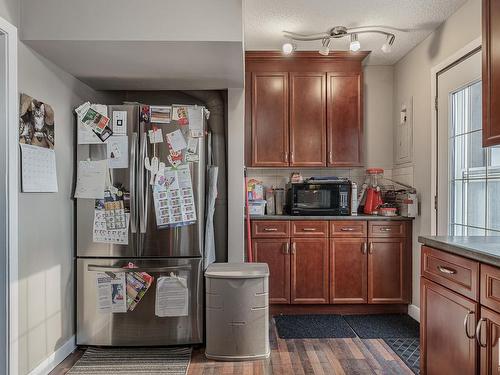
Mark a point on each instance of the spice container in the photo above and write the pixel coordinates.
(270, 207)
(279, 196)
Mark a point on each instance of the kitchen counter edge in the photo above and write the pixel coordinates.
(359, 217)
(485, 249)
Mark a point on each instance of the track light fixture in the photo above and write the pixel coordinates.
(337, 32)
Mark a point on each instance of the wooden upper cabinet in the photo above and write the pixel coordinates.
(491, 72)
(269, 119)
(308, 119)
(344, 119)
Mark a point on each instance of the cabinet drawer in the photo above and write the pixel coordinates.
(454, 272)
(490, 287)
(386, 229)
(348, 228)
(270, 228)
(308, 228)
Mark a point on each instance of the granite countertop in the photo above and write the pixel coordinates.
(484, 249)
(359, 217)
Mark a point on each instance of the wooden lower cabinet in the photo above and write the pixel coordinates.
(309, 270)
(388, 270)
(488, 339)
(447, 324)
(275, 252)
(348, 274)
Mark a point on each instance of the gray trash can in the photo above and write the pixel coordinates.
(237, 306)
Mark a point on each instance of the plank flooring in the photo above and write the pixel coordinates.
(301, 357)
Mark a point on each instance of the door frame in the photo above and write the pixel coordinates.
(436, 70)
(10, 159)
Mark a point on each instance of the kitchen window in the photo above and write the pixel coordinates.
(474, 185)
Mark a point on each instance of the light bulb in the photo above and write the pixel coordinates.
(325, 47)
(387, 46)
(287, 48)
(354, 45)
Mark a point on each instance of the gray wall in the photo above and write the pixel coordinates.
(46, 220)
(412, 77)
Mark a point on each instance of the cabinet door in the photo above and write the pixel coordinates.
(344, 119)
(308, 119)
(348, 274)
(488, 339)
(275, 252)
(445, 316)
(491, 72)
(309, 270)
(269, 119)
(387, 270)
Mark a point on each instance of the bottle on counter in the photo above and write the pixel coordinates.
(271, 206)
(279, 196)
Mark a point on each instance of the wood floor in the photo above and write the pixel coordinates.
(303, 357)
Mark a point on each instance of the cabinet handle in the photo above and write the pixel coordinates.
(478, 333)
(285, 154)
(292, 157)
(287, 247)
(363, 248)
(309, 229)
(270, 229)
(466, 325)
(370, 248)
(294, 248)
(346, 229)
(385, 229)
(446, 270)
(330, 157)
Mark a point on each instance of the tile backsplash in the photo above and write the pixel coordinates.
(280, 177)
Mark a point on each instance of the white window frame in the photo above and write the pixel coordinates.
(434, 72)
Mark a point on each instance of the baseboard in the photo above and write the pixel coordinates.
(414, 312)
(55, 358)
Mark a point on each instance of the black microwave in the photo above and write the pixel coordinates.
(317, 198)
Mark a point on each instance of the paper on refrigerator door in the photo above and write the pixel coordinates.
(117, 150)
(195, 115)
(103, 284)
(85, 133)
(173, 198)
(91, 178)
(119, 122)
(103, 235)
(118, 293)
(172, 296)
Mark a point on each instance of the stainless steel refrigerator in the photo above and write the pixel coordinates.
(159, 252)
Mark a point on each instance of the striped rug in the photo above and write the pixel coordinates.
(132, 361)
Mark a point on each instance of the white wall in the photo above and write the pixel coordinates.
(412, 77)
(174, 20)
(378, 109)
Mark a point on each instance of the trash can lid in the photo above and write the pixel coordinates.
(237, 270)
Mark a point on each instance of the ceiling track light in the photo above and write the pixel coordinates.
(338, 32)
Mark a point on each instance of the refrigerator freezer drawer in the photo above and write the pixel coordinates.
(140, 327)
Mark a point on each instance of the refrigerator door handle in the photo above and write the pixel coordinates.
(132, 170)
(142, 177)
(96, 268)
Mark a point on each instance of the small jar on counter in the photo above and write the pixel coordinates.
(279, 195)
(271, 207)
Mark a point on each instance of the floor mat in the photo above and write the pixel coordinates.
(129, 361)
(381, 326)
(408, 350)
(312, 326)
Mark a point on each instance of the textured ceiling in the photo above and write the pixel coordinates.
(265, 20)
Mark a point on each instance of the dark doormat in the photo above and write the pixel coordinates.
(312, 327)
(408, 350)
(381, 326)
